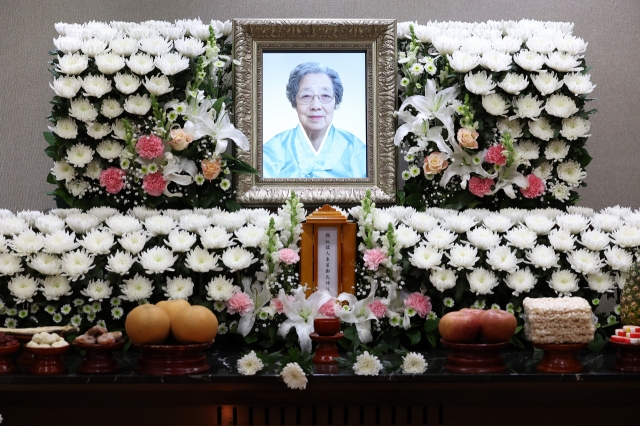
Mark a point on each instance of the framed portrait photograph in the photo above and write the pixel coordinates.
(316, 99)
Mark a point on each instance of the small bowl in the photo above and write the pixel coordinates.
(326, 326)
(47, 360)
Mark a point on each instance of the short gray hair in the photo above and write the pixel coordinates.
(312, 68)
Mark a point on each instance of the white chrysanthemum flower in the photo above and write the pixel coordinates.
(196, 222)
(571, 172)
(111, 108)
(463, 62)
(158, 85)
(606, 222)
(521, 281)
(93, 46)
(557, 150)
(77, 187)
(143, 213)
(237, 258)
(76, 263)
(564, 282)
(497, 222)
(133, 242)
(159, 225)
(446, 45)
(579, 84)
(109, 63)
(155, 45)
(178, 288)
(501, 258)
(180, 241)
(514, 83)
(109, 149)
(249, 364)
(626, 236)
(462, 256)
(136, 288)
(250, 235)
(482, 281)
(514, 127)
(98, 241)
(561, 240)
(83, 110)
(618, 259)
(171, 63)
(601, 282)
(479, 83)
(30, 216)
(81, 222)
(294, 376)
(189, 47)
(507, 44)
(495, 104)
(219, 289)
(93, 170)
(200, 260)
(515, 214)
(560, 191)
(539, 224)
(382, 219)
(529, 60)
(27, 242)
(594, 240)
(421, 222)
(97, 290)
(55, 287)
(58, 242)
(367, 365)
(563, 62)
(120, 263)
(426, 257)
(79, 155)
(575, 127)
(585, 261)
(98, 130)
(139, 31)
(560, 106)
(541, 44)
(527, 106)
(572, 45)
(543, 257)
(49, 223)
(617, 210)
(72, 64)
(23, 288)
(546, 82)
(215, 237)
(521, 237)
(10, 264)
(67, 44)
(66, 87)
(527, 150)
(137, 104)
(171, 32)
(443, 279)
(121, 224)
(483, 238)
(96, 85)
(140, 63)
(406, 237)
(45, 263)
(126, 83)
(495, 61)
(574, 223)
(123, 46)
(541, 129)
(414, 363)
(475, 45)
(157, 260)
(440, 238)
(66, 128)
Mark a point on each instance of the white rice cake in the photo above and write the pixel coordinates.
(558, 320)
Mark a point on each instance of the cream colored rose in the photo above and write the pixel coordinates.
(211, 168)
(180, 139)
(435, 163)
(467, 138)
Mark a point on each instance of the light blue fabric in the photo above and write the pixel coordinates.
(289, 155)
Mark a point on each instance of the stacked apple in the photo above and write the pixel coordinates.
(629, 334)
(470, 325)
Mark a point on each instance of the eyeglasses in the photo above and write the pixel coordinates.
(307, 98)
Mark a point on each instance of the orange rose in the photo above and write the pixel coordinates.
(434, 163)
(180, 139)
(467, 138)
(211, 168)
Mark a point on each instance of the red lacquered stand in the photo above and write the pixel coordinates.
(327, 334)
(475, 358)
(6, 364)
(560, 358)
(99, 358)
(47, 360)
(25, 358)
(627, 358)
(173, 360)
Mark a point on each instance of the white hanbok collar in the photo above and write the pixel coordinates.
(306, 138)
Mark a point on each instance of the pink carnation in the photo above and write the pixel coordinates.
(149, 146)
(154, 184)
(112, 179)
(378, 309)
(419, 302)
(240, 303)
(328, 309)
(277, 303)
(373, 258)
(480, 186)
(495, 155)
(535, 188)
(288, 256)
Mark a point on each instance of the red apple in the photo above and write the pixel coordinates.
(477, 312)
(459, 327)
(497, 326)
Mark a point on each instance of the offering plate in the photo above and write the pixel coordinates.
(47, 360)
(627, 357)
(475, 358)
(560, 357)
(6, 364)
(99, 358)
(172, 360)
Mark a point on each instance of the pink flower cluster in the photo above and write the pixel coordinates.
(328, 309)
(150, 147)
(419, 302)
(112, 179)
(154, 184)
(378, 309)
(373, 258)
(240, 303)
(277, 304)
(288, 256)
(535, 188)
(495, 155)
(480, 186)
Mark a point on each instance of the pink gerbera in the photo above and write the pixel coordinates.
(480, 186)
(149, 147)
(373, 258)
(535, 188)
(495, 155)
(112, 179)
(154, 184)
(419, 302)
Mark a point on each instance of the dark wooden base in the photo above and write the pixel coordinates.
(475, 358)
(99, 358)
(627, 358)
(560, 358)
(6, 364)
(327, 351)
(47, 361)
(173, 360)
(25, 358)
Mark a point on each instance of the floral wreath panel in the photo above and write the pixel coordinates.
(253, 39)
(493, 114)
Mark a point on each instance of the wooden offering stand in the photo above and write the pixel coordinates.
(99, 358)
(627, 358)
(327, 333)
(475, 358)
(560, 358)
(25, 358)
(173, 360)
(6, 364)
(47, 360)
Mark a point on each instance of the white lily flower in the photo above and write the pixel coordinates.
(507, 177)
(261, 296)
(300, 313)
(357, 312)
(203, 122)
(463, 164)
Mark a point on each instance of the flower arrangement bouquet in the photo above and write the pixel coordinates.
(493, 114)
(141, 115)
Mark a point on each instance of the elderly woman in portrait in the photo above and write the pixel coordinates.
(315, 148)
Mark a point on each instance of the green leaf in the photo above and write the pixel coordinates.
(232, 205)
(52, 152)
(598, 342)
(432, 340)
(458, 200)
(414, 200)
(68, 198)
(50, 138)
(51, 179)
(401, 196)
(238, 166)
(431, 325)
(415, 336)
(250, 338)
(412, 187)
(584, 158)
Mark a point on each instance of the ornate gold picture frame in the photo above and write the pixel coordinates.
(374, 41)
